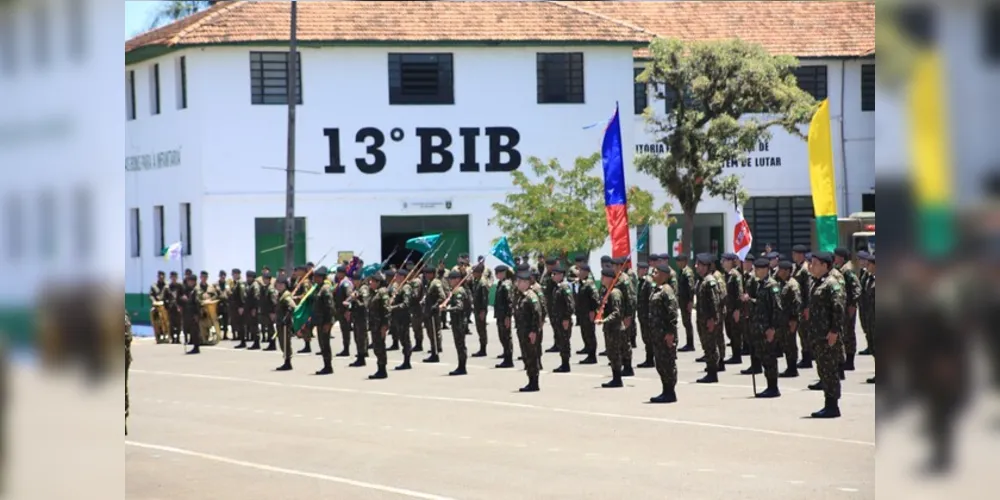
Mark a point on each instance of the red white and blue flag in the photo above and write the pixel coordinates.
(615, 199)
(742, 237)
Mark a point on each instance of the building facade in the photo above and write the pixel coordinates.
(406, 133)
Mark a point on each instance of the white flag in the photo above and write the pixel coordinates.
(173, 252)
(742, 239)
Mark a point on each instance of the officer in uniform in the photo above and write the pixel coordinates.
(417, 289)
(800, 273)
(734, 307)
(190, 310)
(268, 305)
(504, 308)
(527, 320)
(254, 297)
(613, 318)
(791, 307)
(323, 318)
(646, 286)
(686, 284)
(765, 324)
(480, 288)
(827, 303)
(458, 304)
(587, 303)
(710, 316)
(431, 302)
(399, 322)
(629, 305)
(344, 289)
(357, 314)
(563, 305)
(378, 321)
(842, 261)
(237, 309)
(663, 315)
(283, 321)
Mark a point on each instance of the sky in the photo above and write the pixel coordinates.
(138, 15)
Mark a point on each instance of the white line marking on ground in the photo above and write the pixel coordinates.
(706, 470)
(748, 476)
(291, 472)
(517, 405)
(796, 482)
(848, 490)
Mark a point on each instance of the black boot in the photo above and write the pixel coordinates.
(689, 347)
(327, 370)
(700, 360)
(552, 349)
(871, 380)
(591, 359)
(866, 352)
(532, 385)
(807, 361)
(616, 380)
(754, 367)
(481, 353)
(194, 350)
(649, 363)
(722, 366)
(346, 353)
(394, 346)
(849, 363)
(830, 410)
(507, 362)
(772, 389)
(241, 345)
(380, 374)
(271, 346)
(564, 367)
(433, 358)
(603, 353)
(459, 371)
(307, 349)
(711, 378)
(406, 363)
(581, 352)
(840, 373)
(255, 346)
(818, 386)
(736, 359)
(668, 396)
(792, 371)
(358, 362)
(287, 366)
(419, 347)
(627, 371)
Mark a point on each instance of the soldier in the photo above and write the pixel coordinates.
(663, 312)
(842, 261)
(629, 305)
(548, 287)
(188, 300)
(344, 289)
(574, 271)
(764, 325)
(563, 305)
(399, 323)
(613, 319)
(302, 284)
(750, 284)
(480, 288)
(710, 311)
(378, 321)
(250, 315)
(206, 293)
(504, 308)
(801, 275)
(734, 308)
(825, 324)
(323, 317)
(266, 312)
(283, 321)
(431, 303)
(863, 277)
(128, 362)
(791, 306)
(686, 284)
(587, 303)
(645, 292)
(773, 259)
(458, 303)
(224, 288)
(487, 272)
(527, 319)
(237, 308)
(416, 310)
(869, 305)
(356, 313)
(171, 301)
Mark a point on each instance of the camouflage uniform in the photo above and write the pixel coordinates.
(629, 304)
(266, 312)
(283, 310)
(459, 305)
(417, 313)
(663, 315)
(804, 279)
(254, 299)
(237, 301)
(223, 286)
(853, 298)
(323, 317)
(615, 339)
(646, 290)
(343, 291)
(540, 293)
(686, 284)
(709, 306)
(358, 308)
(504, 307)
(190, 312)
(378, 324)
(587, 302)
(172, 300)
(128, 363)
(734, 303)
(432, 300)
(527, 319)
(826, 315)
(863, 310)
(562, 311)
(791, 306)
(767, 316)
(548, 286)
(399, 324)
(750, 286)
(480, 306)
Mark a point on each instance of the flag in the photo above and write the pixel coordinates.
(501, 250)
(930, 154)
(423, 243)
(615, 202)
(354, 265)
(742, 238)
(303, 311)
(173, 252)
(824, 185)
(643, 240)
(370, 269)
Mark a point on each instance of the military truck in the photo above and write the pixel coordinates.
(856, 232)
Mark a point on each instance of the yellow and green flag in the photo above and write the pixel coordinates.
(822, 178)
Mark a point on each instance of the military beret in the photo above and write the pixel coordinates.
(190, 277)
(203, 273)
(871, 258)
(786, 264)
(524, 275)
(682, 257)
(730, 256)
(235, 271)
(454, 275)
(761, 263)
(705, 258)
(310, 264)
(377, 276)
(605, 259)
(266, 275)
(500, 269)
(173, 273)
(800, 249)
(607, 273)
(580, 258)
(281, 281)
(479, 268)
(664, 267)
(662, 256)
(429, 270)
(221, 273)
(321, 271)
(524, 267)
(773, 255)
(826, 257)
(251, 273)
(558, 270)
(863, 254)
(584, 267)
(842, 253)
(389, 274)
(643, 265)
(618, 261)
(809, 256)
(463, 256)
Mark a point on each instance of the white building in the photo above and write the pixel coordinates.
(383, 84)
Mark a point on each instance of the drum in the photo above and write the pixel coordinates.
(160, 320)
(211, 332)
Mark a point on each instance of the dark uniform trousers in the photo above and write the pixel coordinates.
(400, 327)
(284, 332)
(646, 332)
(324, 327)
(481, 327)
(359, 325)
(176, 323)
(686, 321)
(223, 319)
(615, 341)
(828, 360)
(417, 322)
(432, 325)
(252, 326)
(788, 345)
(266, 327)
(734, 330)
(530, 354)
(506, 341)
(192, 331)
(378, 344)
(588, 330)
(665, 357)
(850, 334)
(237, 324)
(345, 331)
(459, 329)
(562, 337)
(767, 352)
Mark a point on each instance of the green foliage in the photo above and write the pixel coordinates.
(556, 210)
(178, 9)
(724, 85)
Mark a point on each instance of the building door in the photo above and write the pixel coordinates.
(454, 230)
(270, 243)
(868, 202)
(782, 222)
(708, 235)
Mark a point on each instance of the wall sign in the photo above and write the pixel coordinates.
(760, 156)
(153, 161)
(437, 150)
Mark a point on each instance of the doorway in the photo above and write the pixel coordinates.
(396, 230)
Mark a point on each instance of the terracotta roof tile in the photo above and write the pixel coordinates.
(423, 21)
(799, 28)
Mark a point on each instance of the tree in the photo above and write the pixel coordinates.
(563, 210)
(179, 9)
(724, 86)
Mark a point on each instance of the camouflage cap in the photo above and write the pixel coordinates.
(762, 263)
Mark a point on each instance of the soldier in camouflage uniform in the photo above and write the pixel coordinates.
(563, 305)
(431, 302)
(458, 304)
(237, 309)
(190, 312)
(266, 312)
(128, 363)
(827, 303)
(629, 306)
(710, 316)
(686, 284)
(357, 314)
(537, 287)
(504, 308)
(399, 324)
(750, 284)
(344, 289)
(791, 306)
(765, 324)
(283, 321)
(863, 277)
(613, 318)
(254, 297)
(527, 320)
(734, 308)
(842, 261)
(869, 304)
(323, 317)
(378, 321)
(480, 288)
(416, 309)
(223, 287)
(548, 288)
(801, 276)
(172, 301)
(663, 314)
(587, 302)
(645, 291)
(206, 292)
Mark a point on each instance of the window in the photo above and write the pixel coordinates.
(154, 89)
(182, 92)
(8, 41)
(186, 228)
(812, 79)
(135, 232)
(130, 95)
(421, 79)
(991, 32)
(158, 237)
(670, 100)
(13, 227)
(782, 221)
(868, 87)
(41, 42)
(868, 202)
(560, 78)
(47, 224)
(641, 96)
(269, 77)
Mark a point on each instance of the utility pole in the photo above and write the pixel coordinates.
(293, 99)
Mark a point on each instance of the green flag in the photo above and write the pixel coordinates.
(303, 311)
(423, 243)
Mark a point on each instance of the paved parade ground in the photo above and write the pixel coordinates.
(224, 425)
